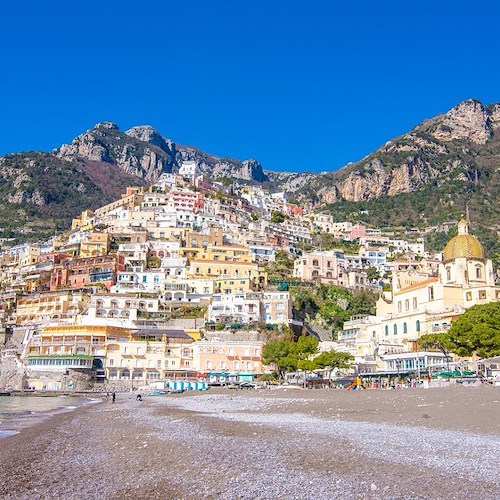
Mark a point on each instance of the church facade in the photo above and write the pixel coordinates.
(421, 303)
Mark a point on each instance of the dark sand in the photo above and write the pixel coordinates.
(413, 443)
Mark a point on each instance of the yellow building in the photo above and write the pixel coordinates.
(148, 355)
(49, 306)
(227, 263)
(96, 244)
(84, 221)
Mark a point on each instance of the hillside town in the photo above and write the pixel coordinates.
(178, 282)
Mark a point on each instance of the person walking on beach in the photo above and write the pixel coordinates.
(113, 396)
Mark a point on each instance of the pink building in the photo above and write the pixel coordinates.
(225, 360)
(187, 200)
(357, 231)
(327, 265)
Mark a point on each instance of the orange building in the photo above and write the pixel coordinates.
(78, 273)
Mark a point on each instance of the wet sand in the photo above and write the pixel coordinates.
(413, 443)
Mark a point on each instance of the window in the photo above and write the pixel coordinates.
(111, 362)
(407, 304)
(405, 328)
(431, 293)
(400, 306)
(482, 294)
(468, 296)
(478, 272)
(414, 302)
(417, 325)
(386, 330)
(448, 273)
(395, 329)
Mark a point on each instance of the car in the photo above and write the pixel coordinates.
(247, 385)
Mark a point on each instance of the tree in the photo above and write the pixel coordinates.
(275, 352)
(372, 273)
(304, 349)
(288, 355)
(304, 304)
(277, 217)
(476, 331)
(332, 360)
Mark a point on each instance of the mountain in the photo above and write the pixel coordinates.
(40, 193)
(424, 177)
(142, 151)
(443, 167)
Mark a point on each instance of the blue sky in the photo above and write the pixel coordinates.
(307, 85)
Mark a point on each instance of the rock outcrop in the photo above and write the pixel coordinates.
(442, 148)
(142, 151)
(105, 143)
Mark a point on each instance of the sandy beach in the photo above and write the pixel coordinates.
(317, 444)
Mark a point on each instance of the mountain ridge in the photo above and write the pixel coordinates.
(452, 157)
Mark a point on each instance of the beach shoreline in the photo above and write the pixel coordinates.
(256, 444)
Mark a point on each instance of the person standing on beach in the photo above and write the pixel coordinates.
(113, 396)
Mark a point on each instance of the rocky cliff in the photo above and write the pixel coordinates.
(448, 147)
(130, 151)
(143, 152)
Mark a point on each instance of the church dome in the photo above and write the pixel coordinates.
(463, 245)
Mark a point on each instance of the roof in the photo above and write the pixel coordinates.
(160, 332)
(417, 285)
(463, 245)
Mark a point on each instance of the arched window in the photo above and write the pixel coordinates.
(479, 273)
(405, 328)
(395, 329)
(417, 325)
(315, 262)
(386, 330)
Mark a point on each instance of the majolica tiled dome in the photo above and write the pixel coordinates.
(463, 245)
